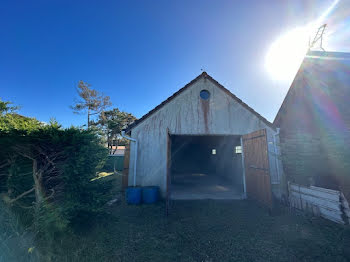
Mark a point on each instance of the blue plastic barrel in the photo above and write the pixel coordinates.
(150, 194)
(133, 195)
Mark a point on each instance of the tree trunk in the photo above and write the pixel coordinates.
(37, 176)
(116, 144)
(109, 145)
(88, 123)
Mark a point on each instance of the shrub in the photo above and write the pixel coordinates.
(60, 163)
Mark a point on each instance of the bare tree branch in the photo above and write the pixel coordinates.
(91, 101)
(25, 207)
(21, 195)
(51, 195)
(21, 152)
(5, 164)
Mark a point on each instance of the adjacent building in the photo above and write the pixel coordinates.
(314, 122)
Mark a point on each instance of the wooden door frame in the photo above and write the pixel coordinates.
(243, 171)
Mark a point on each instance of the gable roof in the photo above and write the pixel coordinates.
(319, 65)
(206, 76)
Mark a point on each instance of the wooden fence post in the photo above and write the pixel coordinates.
(125, 178)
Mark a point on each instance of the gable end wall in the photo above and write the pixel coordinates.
(188, 114)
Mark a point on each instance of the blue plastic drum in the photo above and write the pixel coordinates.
(150, 194)
(133, 195)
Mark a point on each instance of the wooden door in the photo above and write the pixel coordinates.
(257, 170)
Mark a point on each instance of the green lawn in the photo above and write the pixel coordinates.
(205, 231)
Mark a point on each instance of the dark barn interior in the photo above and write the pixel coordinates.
(206, 167)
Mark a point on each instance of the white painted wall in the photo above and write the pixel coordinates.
(185, 114)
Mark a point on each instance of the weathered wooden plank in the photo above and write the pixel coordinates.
(256, 164)
(316, 210)
(331, 191)
(346, 207)
(330, 195)
(318, 201)
(324, 198)
(322, 202)
(316, 189)
(325, 213)
(300, 202)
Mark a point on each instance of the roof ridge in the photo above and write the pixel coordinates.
(207, 76)
(241, 102)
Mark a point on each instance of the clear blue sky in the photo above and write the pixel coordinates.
(141, 52)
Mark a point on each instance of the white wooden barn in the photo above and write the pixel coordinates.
(203, 142)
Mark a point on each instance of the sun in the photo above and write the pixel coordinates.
(288, 51)
(286, 54)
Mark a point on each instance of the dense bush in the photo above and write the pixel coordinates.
(15, 239)
(46, 178)
(13, 121)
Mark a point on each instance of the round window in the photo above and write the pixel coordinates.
(204, 94)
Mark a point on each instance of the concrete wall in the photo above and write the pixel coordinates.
(189, 114)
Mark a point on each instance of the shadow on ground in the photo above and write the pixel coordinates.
(212, 230)
(204, 230)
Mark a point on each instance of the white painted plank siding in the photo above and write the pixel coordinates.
(327, 203)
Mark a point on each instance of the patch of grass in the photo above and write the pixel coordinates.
(204, 231)
(104, 174)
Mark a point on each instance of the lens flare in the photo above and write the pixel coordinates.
(286, 54)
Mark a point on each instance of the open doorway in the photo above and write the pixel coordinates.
(206, 167)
